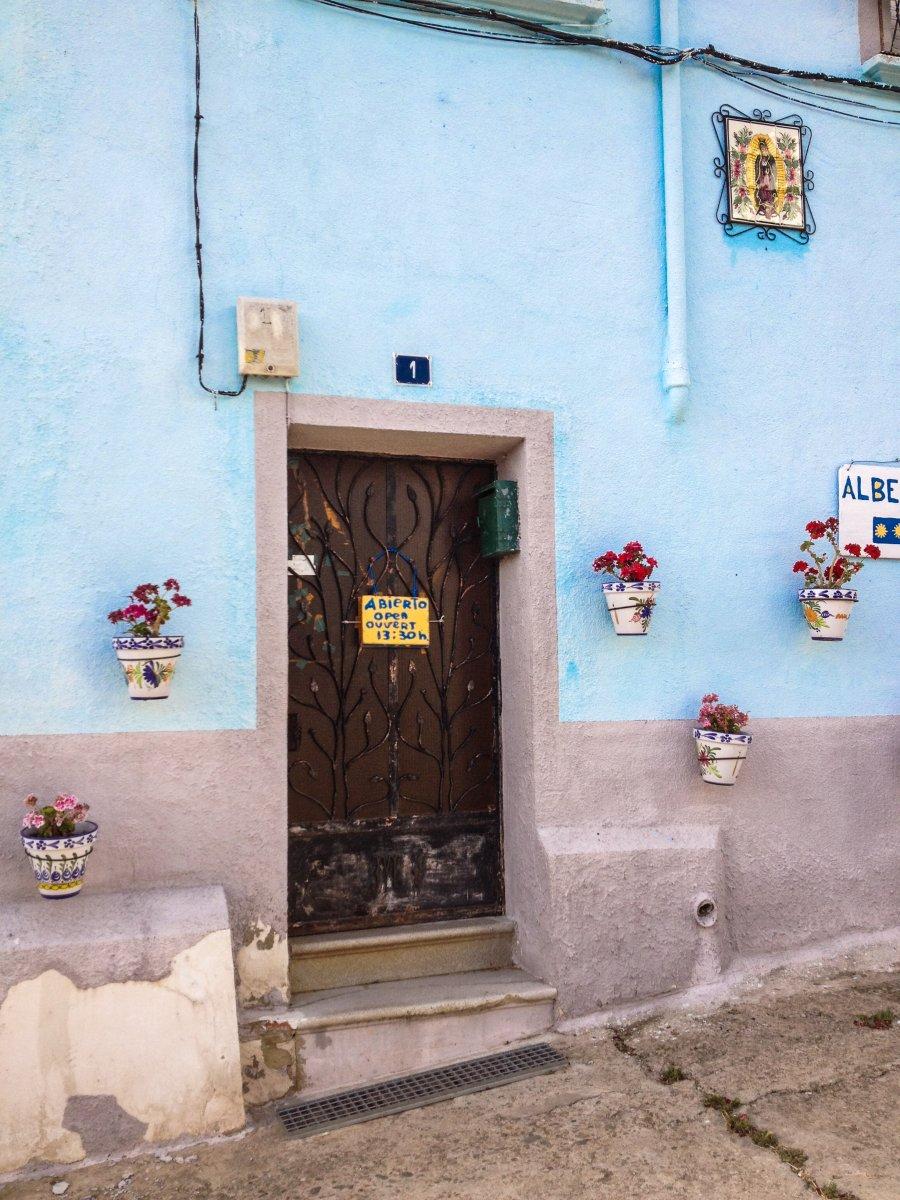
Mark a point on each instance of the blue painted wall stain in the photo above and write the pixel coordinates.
(494, 206)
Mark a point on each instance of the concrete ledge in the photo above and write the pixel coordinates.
(118, 1024)
(624, 899)
(106, 937)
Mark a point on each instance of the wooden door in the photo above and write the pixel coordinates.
(393, 751)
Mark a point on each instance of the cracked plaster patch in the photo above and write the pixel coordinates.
(60, 1043)
(262, 966)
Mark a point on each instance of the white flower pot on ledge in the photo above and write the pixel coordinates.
(149, 664)
(827, 611)
(721, 755)
(59, 863)
(631, 605)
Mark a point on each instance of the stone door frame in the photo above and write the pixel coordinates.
(520, 441)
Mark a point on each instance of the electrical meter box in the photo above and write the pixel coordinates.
(498, 517)
(267, 336)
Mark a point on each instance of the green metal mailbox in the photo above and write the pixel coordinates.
(498, 517)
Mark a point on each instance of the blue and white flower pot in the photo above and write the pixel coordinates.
(149, 664)
(720, 755)
(631, 605)
(59, 863)
(827, 611)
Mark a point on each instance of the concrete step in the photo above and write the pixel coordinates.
(405, 952)
(348, 1036)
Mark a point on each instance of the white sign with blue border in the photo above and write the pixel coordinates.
(869, 505)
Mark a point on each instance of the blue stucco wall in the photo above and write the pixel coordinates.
(495, 206)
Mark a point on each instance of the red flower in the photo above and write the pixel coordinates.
(173, 585)
(800, 565)
(145, 592)
(606, 561)
(816, 529)
(630, 565)
(135, 612)
(853, 548)
(116, 616)
(180, 601)
(636, 573)
(872, 551)
(831, 523)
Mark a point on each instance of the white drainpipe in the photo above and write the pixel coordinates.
(676, 377)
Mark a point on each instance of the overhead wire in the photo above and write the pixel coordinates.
(802, 91)
(660, 55)
(663, 56)
(457, 29)
(793, 99)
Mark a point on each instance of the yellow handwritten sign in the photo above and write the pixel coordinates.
(394, 620)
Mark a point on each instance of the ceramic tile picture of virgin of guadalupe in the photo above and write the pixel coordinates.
(765, 173)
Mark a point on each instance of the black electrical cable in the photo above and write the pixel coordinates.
(458, 29)
(796, 72)
(793, 99)
(198, 245)
(802, 91)
(658, 55)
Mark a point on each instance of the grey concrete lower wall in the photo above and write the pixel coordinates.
(805, 847)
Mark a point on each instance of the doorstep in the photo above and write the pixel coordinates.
(346, 1036)
(336, 960)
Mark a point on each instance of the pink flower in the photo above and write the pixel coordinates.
(65, 803)
(32, 820)
(725, 718)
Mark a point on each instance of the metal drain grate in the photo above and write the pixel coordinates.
(305, 1117)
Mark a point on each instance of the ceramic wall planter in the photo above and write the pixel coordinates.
(149, 664)
(827, 611)
(59, 863)
(631, 605)
(720, 755)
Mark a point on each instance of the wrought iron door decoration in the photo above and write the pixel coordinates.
(765, 183)
(386, 620)
(393, 747)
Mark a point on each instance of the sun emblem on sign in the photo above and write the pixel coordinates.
(881, 530)
(897, 530)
